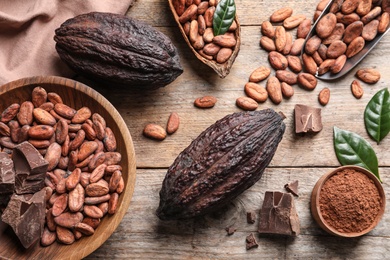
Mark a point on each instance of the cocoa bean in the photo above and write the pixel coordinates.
(4, 129)
(25, 114)
(326, 25)
(205, 102)
(226, 40)
(9, 113)
(356, 89)
(97, 199)
(375, 12)
(54, 98)
(259, 74)
(289, 42)
(44, 117)
(155, 131)
(208, 16)
(256, 92)
(370, 76)
(68, 219)
(304, 28)
(294, 63)
(287, 90)
(307, 81)
(370, 30)
(92, 211)
(309, 64)
(48, 237)
(113, 203)
(208, 35)
(274, 90)
(281, 14)
(296, 47)
(60, 205)
(280, 38)
(53, 155)
(349, 6)
(293, 21)
(202, 7)
(173, 123)
(84, 228)
(246, 103)
(312, 44)
(188, 13)
(325, 66)
(267, 29)
(383, 22)
(64, 235)
(77, 141)
(267, 44)
(324, 96)
(179, 6)
(64, 111)
(355, 47)
(38, 96)
(112, 158)
(352, 31)
(337, 34)
(97, 173)
(338, 64)
(277, 60)
(97, 189)
(286, 76)
(81, 115)
(224, 54)
(364, 7)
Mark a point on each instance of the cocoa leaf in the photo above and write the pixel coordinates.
(223, 16)
(352, 149)
(377, 115)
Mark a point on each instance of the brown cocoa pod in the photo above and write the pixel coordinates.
(259, 74)
(25, 115)
(294, 63)
(324, 96)
(183, 198)
(38, 96)
(9, 113)
(155, 131)
(65, 235)
(267, 43)
(370, 30)
(338, 64)
(287, 90)
(274, 90)
(277, 60)
(307, 81)
(68, 219)
(304, 28)
(356, 89)
(256, 92)
(113, 203)
(205, 102)
(326, 25)
(280, 38)
(286, 76)
(267, 29)
(370, 76)
(246, 103)
(173, 123)
(355, 46)
(44, 117)
(281, 14)
(312, 44)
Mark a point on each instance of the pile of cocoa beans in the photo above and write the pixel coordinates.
(84, 177)
(343, 32)
(196, 18)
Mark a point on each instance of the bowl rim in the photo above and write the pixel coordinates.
(128, 149)
(315, 208)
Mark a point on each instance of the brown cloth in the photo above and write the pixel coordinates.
(27, 29)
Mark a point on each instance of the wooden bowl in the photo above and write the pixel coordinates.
(75, 95)
(315, 204)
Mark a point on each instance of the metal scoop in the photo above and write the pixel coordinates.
(351, 62)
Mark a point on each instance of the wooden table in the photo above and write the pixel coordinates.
(141, 235)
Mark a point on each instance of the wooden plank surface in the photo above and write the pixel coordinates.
(305, 158)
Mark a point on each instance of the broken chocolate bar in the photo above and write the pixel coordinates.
(292, 187)
(250, 217)
(230, 230)
(251, 242)
(278, 214)
(7, 175)
(26, 215)
(307, 119)
(30, 169)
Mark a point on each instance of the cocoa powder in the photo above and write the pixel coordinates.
(349, 201)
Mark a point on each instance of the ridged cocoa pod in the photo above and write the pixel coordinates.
(118, 50)
(222, 162)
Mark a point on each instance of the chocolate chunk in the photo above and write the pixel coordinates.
(230, 230)
(250, 217)
(251, 242)
(30, 169)
(26, 215)
(292, 187)
(7, 175)
(307, 119)
(278, 214)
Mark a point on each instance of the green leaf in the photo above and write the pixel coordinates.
(352, 149)
(223, 16)
(377, 115)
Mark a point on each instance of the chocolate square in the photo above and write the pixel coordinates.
(7, 175)
(307, 119)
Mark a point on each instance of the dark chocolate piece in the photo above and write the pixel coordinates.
(7, 175)
(26, 215)
(230, 230)
(30, 169)
(307, 119)
(251, 242)
(250, 217)
(278, 214)
(292, 187)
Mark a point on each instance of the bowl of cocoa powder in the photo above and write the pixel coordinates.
(70, 169)
(348, 201)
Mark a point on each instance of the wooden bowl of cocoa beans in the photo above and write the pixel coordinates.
(88, 168)
(348, 201)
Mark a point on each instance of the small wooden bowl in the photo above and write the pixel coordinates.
(315, 207)
(75, 95)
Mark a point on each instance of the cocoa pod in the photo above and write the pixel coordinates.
(190, 187)
(140, 42)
